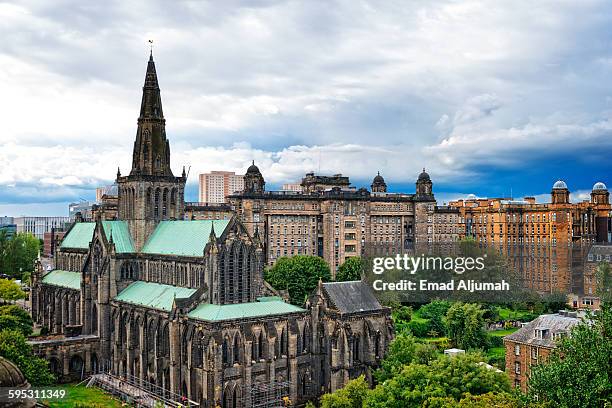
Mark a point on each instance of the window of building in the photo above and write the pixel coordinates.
(517, 367)
(517, 350)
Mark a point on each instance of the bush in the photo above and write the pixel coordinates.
(419, 328)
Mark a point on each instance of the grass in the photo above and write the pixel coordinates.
(509, 314)
(502, 333)
(80, 395)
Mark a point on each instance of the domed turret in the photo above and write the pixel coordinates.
(12, 377)
(560, 193)
(600, 194)
(424, 187)
(378, 184)
(254, 182)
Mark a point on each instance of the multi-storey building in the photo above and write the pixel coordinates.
(37, 226)
(331, 219)
(208, 211)
(217, 185)
(532, 343)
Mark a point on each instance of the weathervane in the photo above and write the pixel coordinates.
(151, 45)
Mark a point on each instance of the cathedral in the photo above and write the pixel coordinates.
(181, 304)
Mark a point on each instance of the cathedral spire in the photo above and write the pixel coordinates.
(151, 149)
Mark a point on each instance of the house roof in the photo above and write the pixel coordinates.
(79, 236)
(120, 232)
(153, 295)
(561, 322)
(264, 307)
(187, 238)
(351, 297)
(65, 279)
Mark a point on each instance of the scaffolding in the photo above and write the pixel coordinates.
(138, 392)
(269, 395)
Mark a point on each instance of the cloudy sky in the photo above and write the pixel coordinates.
(490, 97)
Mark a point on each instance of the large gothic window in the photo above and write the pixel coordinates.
(165, 204)
(156, 205)
(236, 351)
(225, 351)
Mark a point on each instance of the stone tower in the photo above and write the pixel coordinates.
(150, 193)
(254, 182)
(560, 194)
(378, 184)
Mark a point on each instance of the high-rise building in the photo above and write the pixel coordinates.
(217, 185)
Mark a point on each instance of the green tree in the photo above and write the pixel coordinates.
(17, 254)
(10, 290)
(435, 312)
(298, 275)
(350, 270)
(488, 400)
(14, 347)
(403, 350)
(465, 326)
(555, 301)
(447, 377)
(351, 396)
(578, 372)
(603, 278)
(15, 318)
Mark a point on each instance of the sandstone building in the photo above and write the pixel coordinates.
(181, 304)
(331, 219)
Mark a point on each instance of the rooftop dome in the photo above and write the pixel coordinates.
(378, 179)
(11, 376)
(253, 169)
(424, 176)
(559, 184)
(599, 186)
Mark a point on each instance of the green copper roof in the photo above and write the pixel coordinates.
(187, 238)
(121, 235)
(153, 295)
(64, 279)
(79, 236)
(214, 313)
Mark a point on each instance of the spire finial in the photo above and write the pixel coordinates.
(151, 45)
(118, 172)
(378, 172)
(253, 162)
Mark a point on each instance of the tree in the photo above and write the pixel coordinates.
(298, 275)
(603, 278)
(13, 346)
(15, 318)
(488, 400)
(351, 396)
(578, 372)
(403, 350)
(17, 254)
(10, 290)
(435, 312)
(350, 270)
(447, 377)
(465, 326)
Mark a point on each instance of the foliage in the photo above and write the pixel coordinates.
(350, 270)
(465, 326)
(553, 302)
(488, 400)
(403, 314)
(15, 318)
(298, 275)
(419, 327)
(578, 372)
(351, 396)
(14, 347)
(17, 254)
(435, 312)
(404, 349)
(447, 377)
(10, 290)
(603, 277)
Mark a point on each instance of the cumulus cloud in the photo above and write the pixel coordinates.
(462, 88)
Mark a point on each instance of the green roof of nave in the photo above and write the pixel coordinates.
(65, 279)
(264, 307)
(153, 295)
(186, 238)
(121, 235)
(81, 235)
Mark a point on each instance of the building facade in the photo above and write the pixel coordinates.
(37, 226)
(532, 343)
(331, 219)
(181, 304)
(217, 185)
